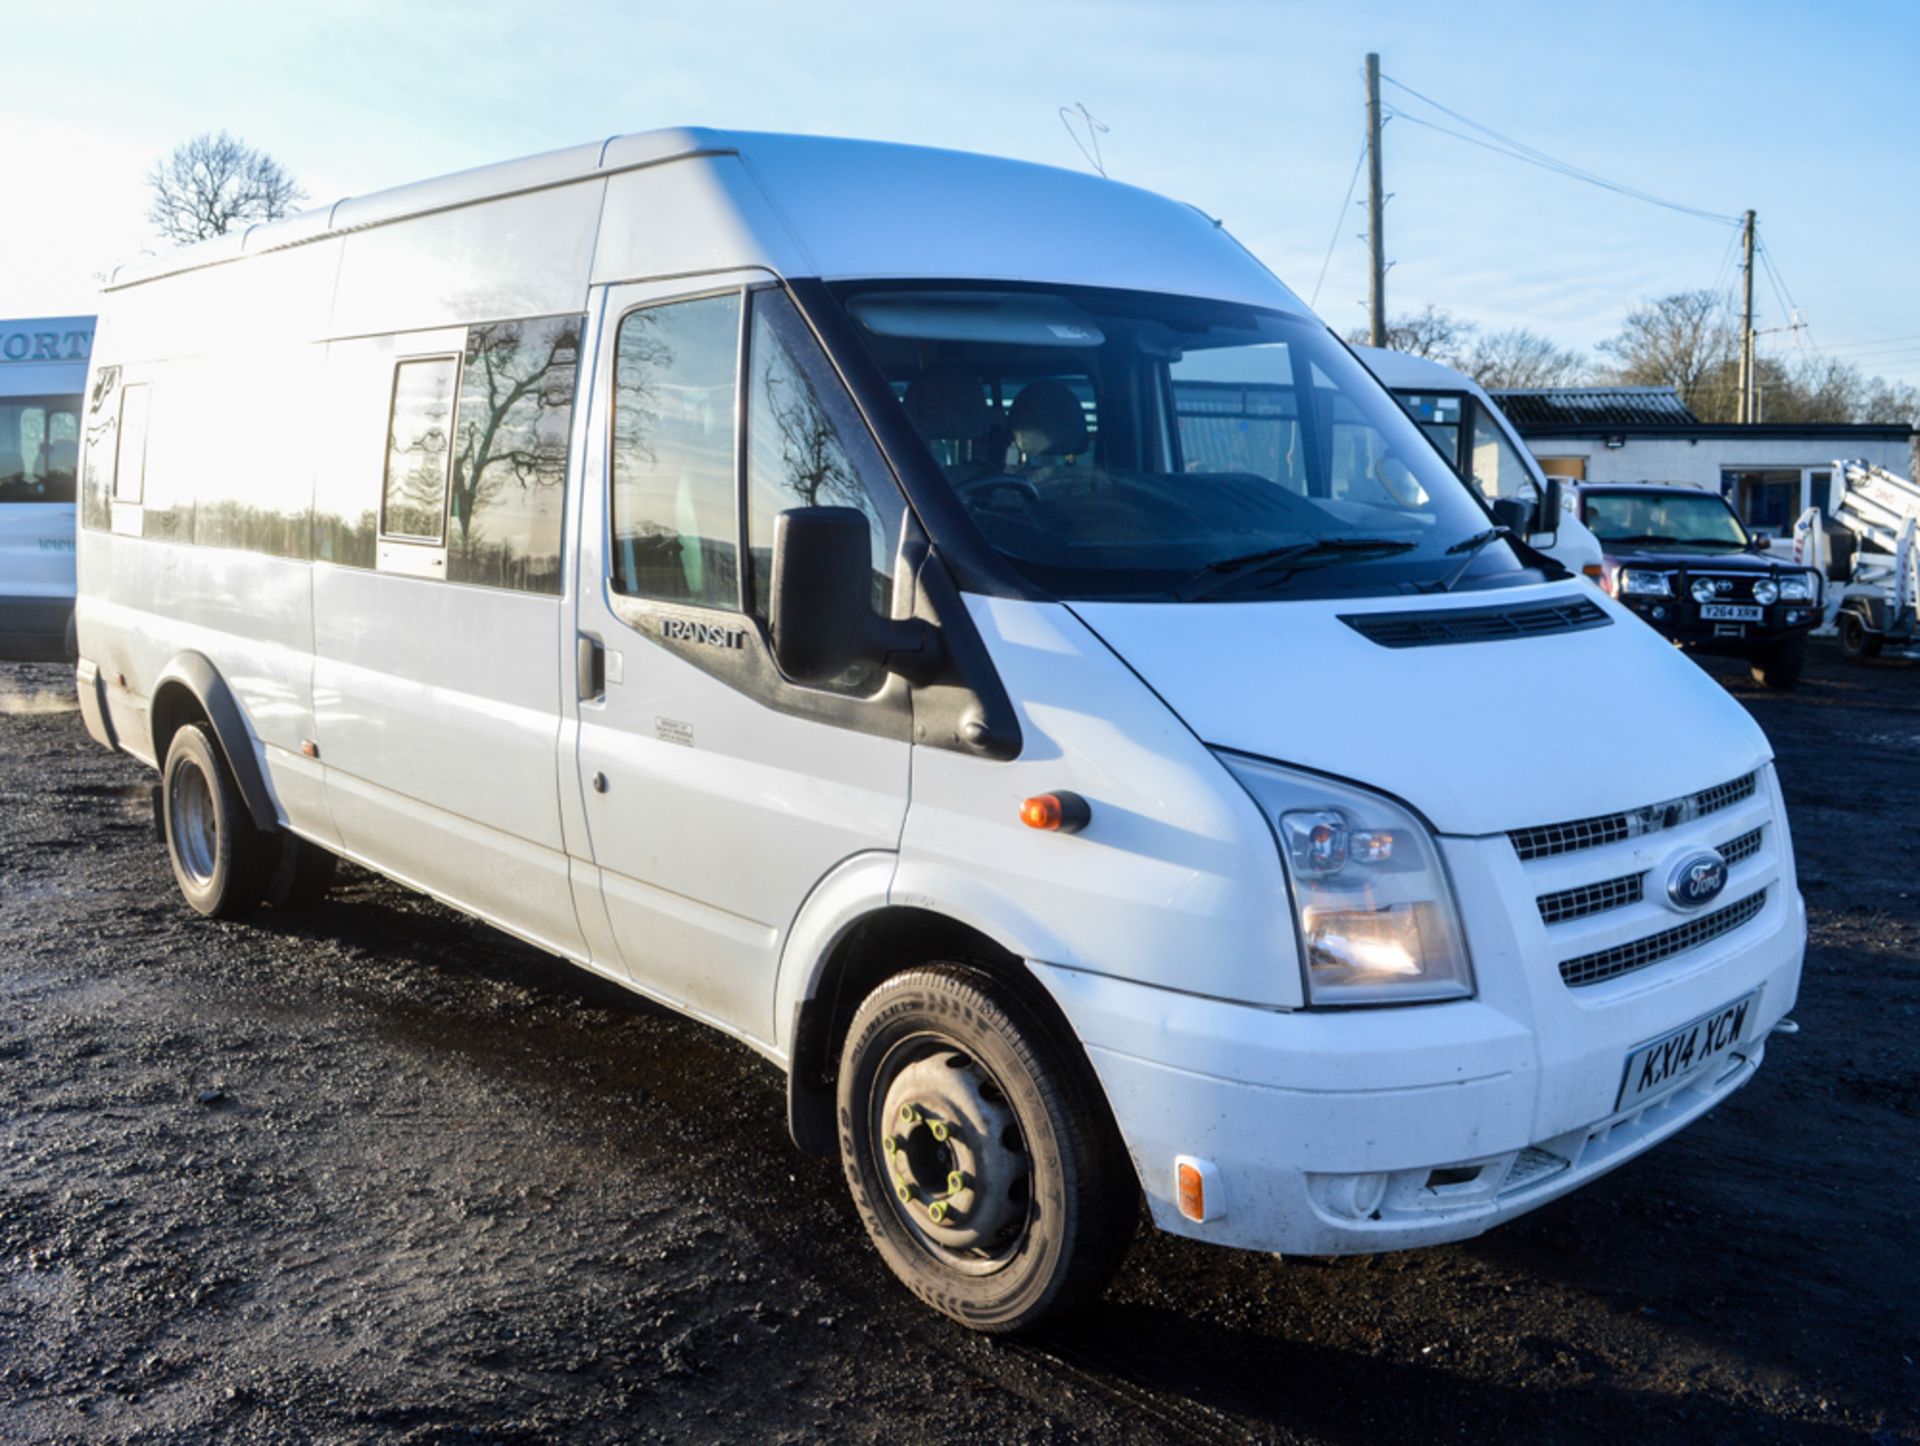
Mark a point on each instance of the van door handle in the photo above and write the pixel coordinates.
(590, 668)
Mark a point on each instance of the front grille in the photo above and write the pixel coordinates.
(1625, 958)
(1550, 840)
(1477, 625)
(1590, 899)
(1742, 848)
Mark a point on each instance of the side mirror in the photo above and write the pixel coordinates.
(821, 609)
(1758, 542)
(1553, 503)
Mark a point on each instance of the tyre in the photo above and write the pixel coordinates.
(220, 860)
(302, 874)
(1855, 641)
(1780, 666)
(979, 1153)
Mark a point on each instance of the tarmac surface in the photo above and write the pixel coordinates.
(376, 1172)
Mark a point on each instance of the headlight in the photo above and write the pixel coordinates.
(1796, 587)
(1766, 592)
(1375, 915)
(1645, 582)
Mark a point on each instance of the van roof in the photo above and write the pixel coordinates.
(854, 208)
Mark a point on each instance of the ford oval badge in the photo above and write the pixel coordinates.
(1697, 879)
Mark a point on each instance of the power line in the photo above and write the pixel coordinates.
(1339, 221)
(1506, 145)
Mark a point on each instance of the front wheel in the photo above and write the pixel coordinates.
(1781, 665)
(979, 1155)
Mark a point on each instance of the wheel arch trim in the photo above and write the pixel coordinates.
(193, 675)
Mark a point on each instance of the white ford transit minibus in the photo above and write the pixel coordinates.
(963, 628)
(43, 370)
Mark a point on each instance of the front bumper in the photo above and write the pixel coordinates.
(1351, 1132)
(1678, 619)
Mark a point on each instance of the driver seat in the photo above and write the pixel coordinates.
(948, 407)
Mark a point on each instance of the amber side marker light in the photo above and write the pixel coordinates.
(1060, 812)
(1197, 1189)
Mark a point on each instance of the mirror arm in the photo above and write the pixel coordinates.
(910, 647)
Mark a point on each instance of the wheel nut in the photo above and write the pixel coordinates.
(939, 1131)
(956, 1181)
(909, 1115)
(890, 1144)
(903, 1192)
(936, 1212)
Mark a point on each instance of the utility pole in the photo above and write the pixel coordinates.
(1749, 382)
(1376, 235)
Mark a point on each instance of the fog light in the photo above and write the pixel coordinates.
(1660, 611)
(1766, 592)
(1704, 590)
(1353, 1196)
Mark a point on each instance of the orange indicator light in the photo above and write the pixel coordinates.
(1060, 812)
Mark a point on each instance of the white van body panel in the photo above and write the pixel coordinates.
(1176, 881)
(1518, 747)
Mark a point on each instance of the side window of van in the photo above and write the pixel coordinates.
(807, 447)
(674, 513)
(103, 419)
(510, 433)
(413, 503)
(130, 471)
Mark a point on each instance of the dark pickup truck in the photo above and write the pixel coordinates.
(1681, 559)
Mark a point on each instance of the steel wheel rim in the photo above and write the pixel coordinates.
(193, 822)
(951, 1154)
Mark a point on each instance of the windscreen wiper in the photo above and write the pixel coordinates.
(1471, 547)
(1216, 575)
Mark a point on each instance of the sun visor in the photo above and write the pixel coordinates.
(1021, 318)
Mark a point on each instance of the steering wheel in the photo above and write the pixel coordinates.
(985, 487)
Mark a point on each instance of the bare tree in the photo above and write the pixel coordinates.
(1520, 358)
(1431, 332)
(1687, 341)
(210, 183)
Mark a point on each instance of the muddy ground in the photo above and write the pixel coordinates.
(379, 1173)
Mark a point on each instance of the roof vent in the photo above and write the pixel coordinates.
(1427, 628)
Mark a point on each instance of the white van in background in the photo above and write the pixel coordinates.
(43, 372)
(963, 628)
(1475, 436)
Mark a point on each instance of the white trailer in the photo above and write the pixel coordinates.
(1874, 562)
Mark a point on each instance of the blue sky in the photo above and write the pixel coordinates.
(1250, 110)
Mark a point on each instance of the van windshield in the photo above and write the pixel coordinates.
(1127, 445)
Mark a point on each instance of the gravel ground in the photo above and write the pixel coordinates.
(376, 1173)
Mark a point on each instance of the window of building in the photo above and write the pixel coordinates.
(510, 433)
(674, 503)
(419, 452)
(807, 447)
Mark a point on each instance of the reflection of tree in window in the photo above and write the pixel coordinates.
(416, 488)
(510, 453)
(674, 513)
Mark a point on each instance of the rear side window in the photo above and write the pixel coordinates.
(674, 513)
(130, 470)
(103, 420)
(413, 504)
(510, 453)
